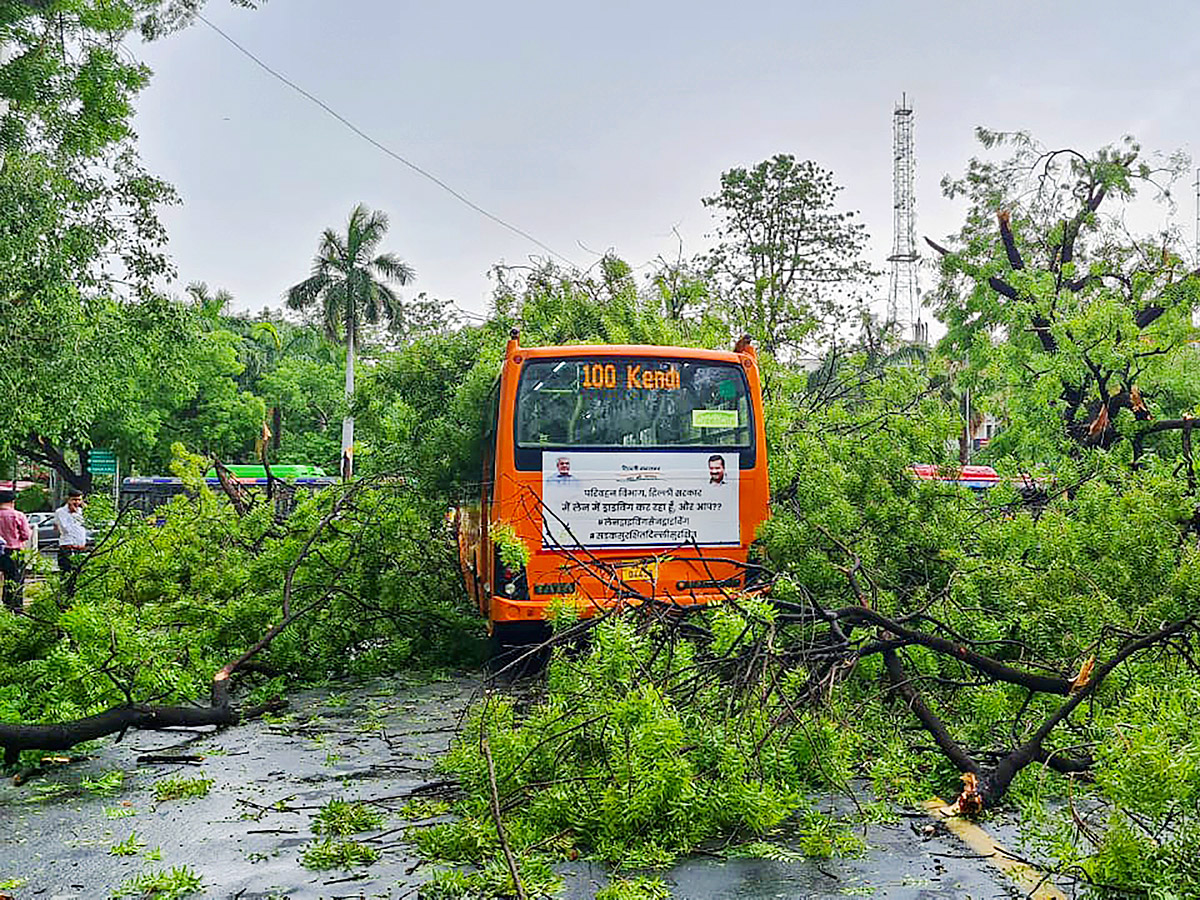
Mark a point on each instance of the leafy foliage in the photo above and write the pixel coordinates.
(131, 846)
(492, 882)
(788, 267)
(634, 889)
(342, 817)
(1057, 302)
(625, 758)
(331, 854)
(159, 608)
(176, 788)
(107, 785)
(166, 884)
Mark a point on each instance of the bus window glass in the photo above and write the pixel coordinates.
(632, 402)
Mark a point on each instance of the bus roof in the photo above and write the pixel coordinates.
(653, 350)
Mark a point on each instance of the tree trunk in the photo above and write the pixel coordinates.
(348, 422)
(42, 452)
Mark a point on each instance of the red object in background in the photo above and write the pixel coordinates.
(18, 486)
(969, 476)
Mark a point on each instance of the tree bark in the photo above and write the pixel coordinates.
(118, 719)
(39, 450)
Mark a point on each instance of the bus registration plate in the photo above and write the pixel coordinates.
(640, 572)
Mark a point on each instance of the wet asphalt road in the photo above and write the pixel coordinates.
(376, 742)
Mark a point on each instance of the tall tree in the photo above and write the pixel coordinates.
(788, 265)
(350, 282)
(80, 242)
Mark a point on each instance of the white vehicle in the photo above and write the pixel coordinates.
(45, 535)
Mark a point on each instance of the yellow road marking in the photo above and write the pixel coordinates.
(1036, 885)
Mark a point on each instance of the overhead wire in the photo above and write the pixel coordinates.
(384, 148)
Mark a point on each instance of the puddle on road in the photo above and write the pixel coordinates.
(373, 743)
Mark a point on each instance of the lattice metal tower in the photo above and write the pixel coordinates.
(1197, 247)
(904, 296)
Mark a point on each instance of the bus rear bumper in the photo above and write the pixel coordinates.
(505, 609)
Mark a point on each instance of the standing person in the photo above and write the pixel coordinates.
(72, 536)
(14, 532)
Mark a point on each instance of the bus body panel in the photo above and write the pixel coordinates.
(594, 578)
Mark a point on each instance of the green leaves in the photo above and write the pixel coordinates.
(617, 764)
(343, 817)
(349, 281)
(1050, 294)
(788, 265)
(163, 606)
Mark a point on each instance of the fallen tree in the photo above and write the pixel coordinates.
(931, 640)
(227, 601)
(220, 712)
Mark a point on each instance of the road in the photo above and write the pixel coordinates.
(376, 742)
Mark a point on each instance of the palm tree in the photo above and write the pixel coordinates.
(351, 285)
(212, 307)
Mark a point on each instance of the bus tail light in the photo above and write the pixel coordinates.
(511, 581)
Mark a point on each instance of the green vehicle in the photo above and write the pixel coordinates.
(146, 494)
(286, 472)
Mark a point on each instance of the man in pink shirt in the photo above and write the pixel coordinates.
(14, 532)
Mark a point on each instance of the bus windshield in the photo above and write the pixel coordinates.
(632, 402)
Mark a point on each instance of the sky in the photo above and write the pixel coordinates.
(598, 127)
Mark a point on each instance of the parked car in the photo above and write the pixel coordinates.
(47, 534)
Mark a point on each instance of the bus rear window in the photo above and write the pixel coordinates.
(632, 402)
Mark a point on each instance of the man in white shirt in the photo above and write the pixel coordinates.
(72, 535)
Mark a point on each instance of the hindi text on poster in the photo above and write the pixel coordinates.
(639, 499)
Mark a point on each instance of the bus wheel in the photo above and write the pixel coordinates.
(510, 646)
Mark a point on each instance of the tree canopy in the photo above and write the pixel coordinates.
(788, 267)
(1055, 300)
(351, 284)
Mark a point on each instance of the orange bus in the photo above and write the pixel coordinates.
(629, 474)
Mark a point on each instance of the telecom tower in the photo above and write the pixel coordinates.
(904, 296)
(1197, 248)
(1196, 258)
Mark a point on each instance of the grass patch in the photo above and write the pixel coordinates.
(168, 884)
(342, 817)
(131, 846)
(175, 788)
(331, 854)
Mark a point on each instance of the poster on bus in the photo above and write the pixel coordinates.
(639, 499)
